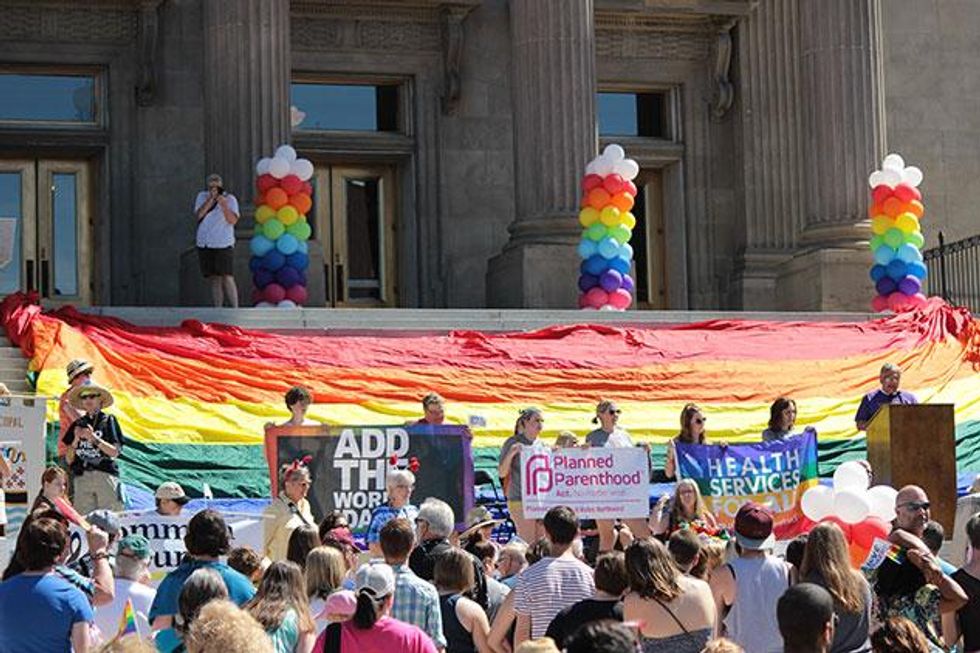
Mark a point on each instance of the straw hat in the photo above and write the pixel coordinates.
(76, 393)
(78, 366)
(477, 518)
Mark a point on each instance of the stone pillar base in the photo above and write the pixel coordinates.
(826, 280)
(534, 275)
(754, 285)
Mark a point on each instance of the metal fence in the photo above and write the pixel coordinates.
(954, 271)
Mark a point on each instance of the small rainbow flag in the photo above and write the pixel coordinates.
(127, 622)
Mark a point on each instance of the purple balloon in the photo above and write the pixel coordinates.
(909, 285)
(587, 281)
(287, 276)
(263, 278)
(628, 284)
(611, 280)
(886, 286)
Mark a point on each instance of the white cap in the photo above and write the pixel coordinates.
(376, 579)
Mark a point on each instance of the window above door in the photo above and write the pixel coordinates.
(51, 98)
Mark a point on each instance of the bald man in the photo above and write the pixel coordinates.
(912, 510)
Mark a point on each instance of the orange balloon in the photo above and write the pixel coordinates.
(259, 199)
(916, 208)
(623, 201)
(276, 198)
(893, 207)
(858, 554)
(598, 198)
(301, 202)
(875, 209)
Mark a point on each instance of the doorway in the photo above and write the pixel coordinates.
(45, 229)
(649, 242)
(355, 223)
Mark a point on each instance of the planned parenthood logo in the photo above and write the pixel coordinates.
(538, 477)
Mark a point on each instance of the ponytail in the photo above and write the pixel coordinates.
(366, 613)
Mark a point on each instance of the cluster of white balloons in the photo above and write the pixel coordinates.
(613, 160)
(850, 499)
(894, 172)
(285, 163)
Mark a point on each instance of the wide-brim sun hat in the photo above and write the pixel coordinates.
(75, 395)
(478, 518)
(78, 366)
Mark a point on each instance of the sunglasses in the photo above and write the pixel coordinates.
(89, 396)
(700, 420)
(916, 505)
(615, 411)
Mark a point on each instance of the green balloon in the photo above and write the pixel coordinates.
(876, 242)
(915, 238)
(273, 229)
(894, 237)
(596, 232)
(300, 230)
(621, 233)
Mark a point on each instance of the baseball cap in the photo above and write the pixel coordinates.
(138, 545)
(375, 579)
(105, 520)
(172, 491)
(340, 535)
(753, 527)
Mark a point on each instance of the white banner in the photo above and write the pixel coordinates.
(22, 431)
(598, 483)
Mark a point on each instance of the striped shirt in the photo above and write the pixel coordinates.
(549, 586)
(417, 603)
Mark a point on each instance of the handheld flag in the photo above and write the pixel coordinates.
(127, 622)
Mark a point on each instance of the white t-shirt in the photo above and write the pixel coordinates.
(214, 232)
(107, 616)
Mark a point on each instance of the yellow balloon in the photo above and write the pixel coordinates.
(610, 216)
(907, 222)
(881, 223)
(588, 217)
(629, 220)
(264, 213)
(287, 214)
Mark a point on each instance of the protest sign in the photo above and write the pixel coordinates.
(349, 465)
(22, 445)
(775, 474)
(598, 483)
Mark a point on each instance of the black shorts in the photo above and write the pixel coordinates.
(216, 262)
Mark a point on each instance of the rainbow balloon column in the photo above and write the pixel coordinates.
(607, 257)
(895, 211)
(279, 247)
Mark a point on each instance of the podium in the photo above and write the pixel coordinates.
(916, 445)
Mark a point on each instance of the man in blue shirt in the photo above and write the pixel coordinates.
(41, 612)
(206, 542)
(888, 393)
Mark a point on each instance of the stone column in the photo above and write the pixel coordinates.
(843, 124)
(554, 86)
(246, 89)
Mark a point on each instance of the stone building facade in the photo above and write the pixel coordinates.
(463, 193)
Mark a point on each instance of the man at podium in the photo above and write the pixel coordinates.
(888, 393)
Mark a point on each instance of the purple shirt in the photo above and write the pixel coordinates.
(871, 402)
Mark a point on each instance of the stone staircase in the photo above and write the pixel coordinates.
(13, 368)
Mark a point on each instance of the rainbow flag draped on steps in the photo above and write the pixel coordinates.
(192, 400)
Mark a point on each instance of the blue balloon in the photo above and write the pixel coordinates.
(608, 247)
(886, 286)
(896, 271)
(287, 244)
(620, 265)
(587, 281)
(254, 263)
(626, 251)
(298, 260)
(596, 265)
(884, 255)
(878, 271)
(587, 248)
(917, 269)
(583, 267)
(909, 253)
(273, 260)
(263, 278)
(260, 245)
(287, 276)
(304, 247)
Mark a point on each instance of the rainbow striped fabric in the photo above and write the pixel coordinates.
(193, 399)
(127, 621)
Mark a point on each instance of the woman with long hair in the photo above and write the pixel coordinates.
(899, 635)
(54, 485)
(826, 563)
(527, 428)
(692, 432)
(301, 541)
(685, 509)
(464, 622)
(280, 606)
(782, 419)
(325, 570)
(676, 612)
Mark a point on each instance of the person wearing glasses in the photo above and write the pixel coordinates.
(399, 484)
(890, 377)
(692, 432)
(93, 442)
(288, 511)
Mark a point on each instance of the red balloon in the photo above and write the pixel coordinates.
(631, 188)
(297, 294)
(613, 183)
(308, 188)
(917, 194)
(596, 297)
(291, 184)
(904, 193)
(898, 302)
(843, 526)
(583, 301)
(265, 182)
(864, 533)
(879, 304)
(591, 181)
(274, 293)
(881, 193)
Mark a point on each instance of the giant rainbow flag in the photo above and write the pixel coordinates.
(193, 399)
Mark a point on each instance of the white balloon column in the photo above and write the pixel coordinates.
(280, 254)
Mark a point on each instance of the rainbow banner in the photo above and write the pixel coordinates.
(193, 400)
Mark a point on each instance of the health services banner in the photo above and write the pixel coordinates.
(349, 464)
(775, 474)
(598, 483)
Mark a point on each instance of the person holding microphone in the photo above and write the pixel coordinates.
(217, 213)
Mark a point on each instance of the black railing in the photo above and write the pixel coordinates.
(954, 271)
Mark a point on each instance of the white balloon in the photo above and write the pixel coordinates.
(286, 303)
(302, 168)
(818, 502)
(627, 168)
(286, 152)
(891, 178)
(605, 166)
(265, 305)
(893, 162)
(608, 307)
(279, 167)
(912, 176)
(592, 167)
(614, 152)
(851, 506)
(882, 500)
(852, 475)
(262, 167)
(875, 179)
